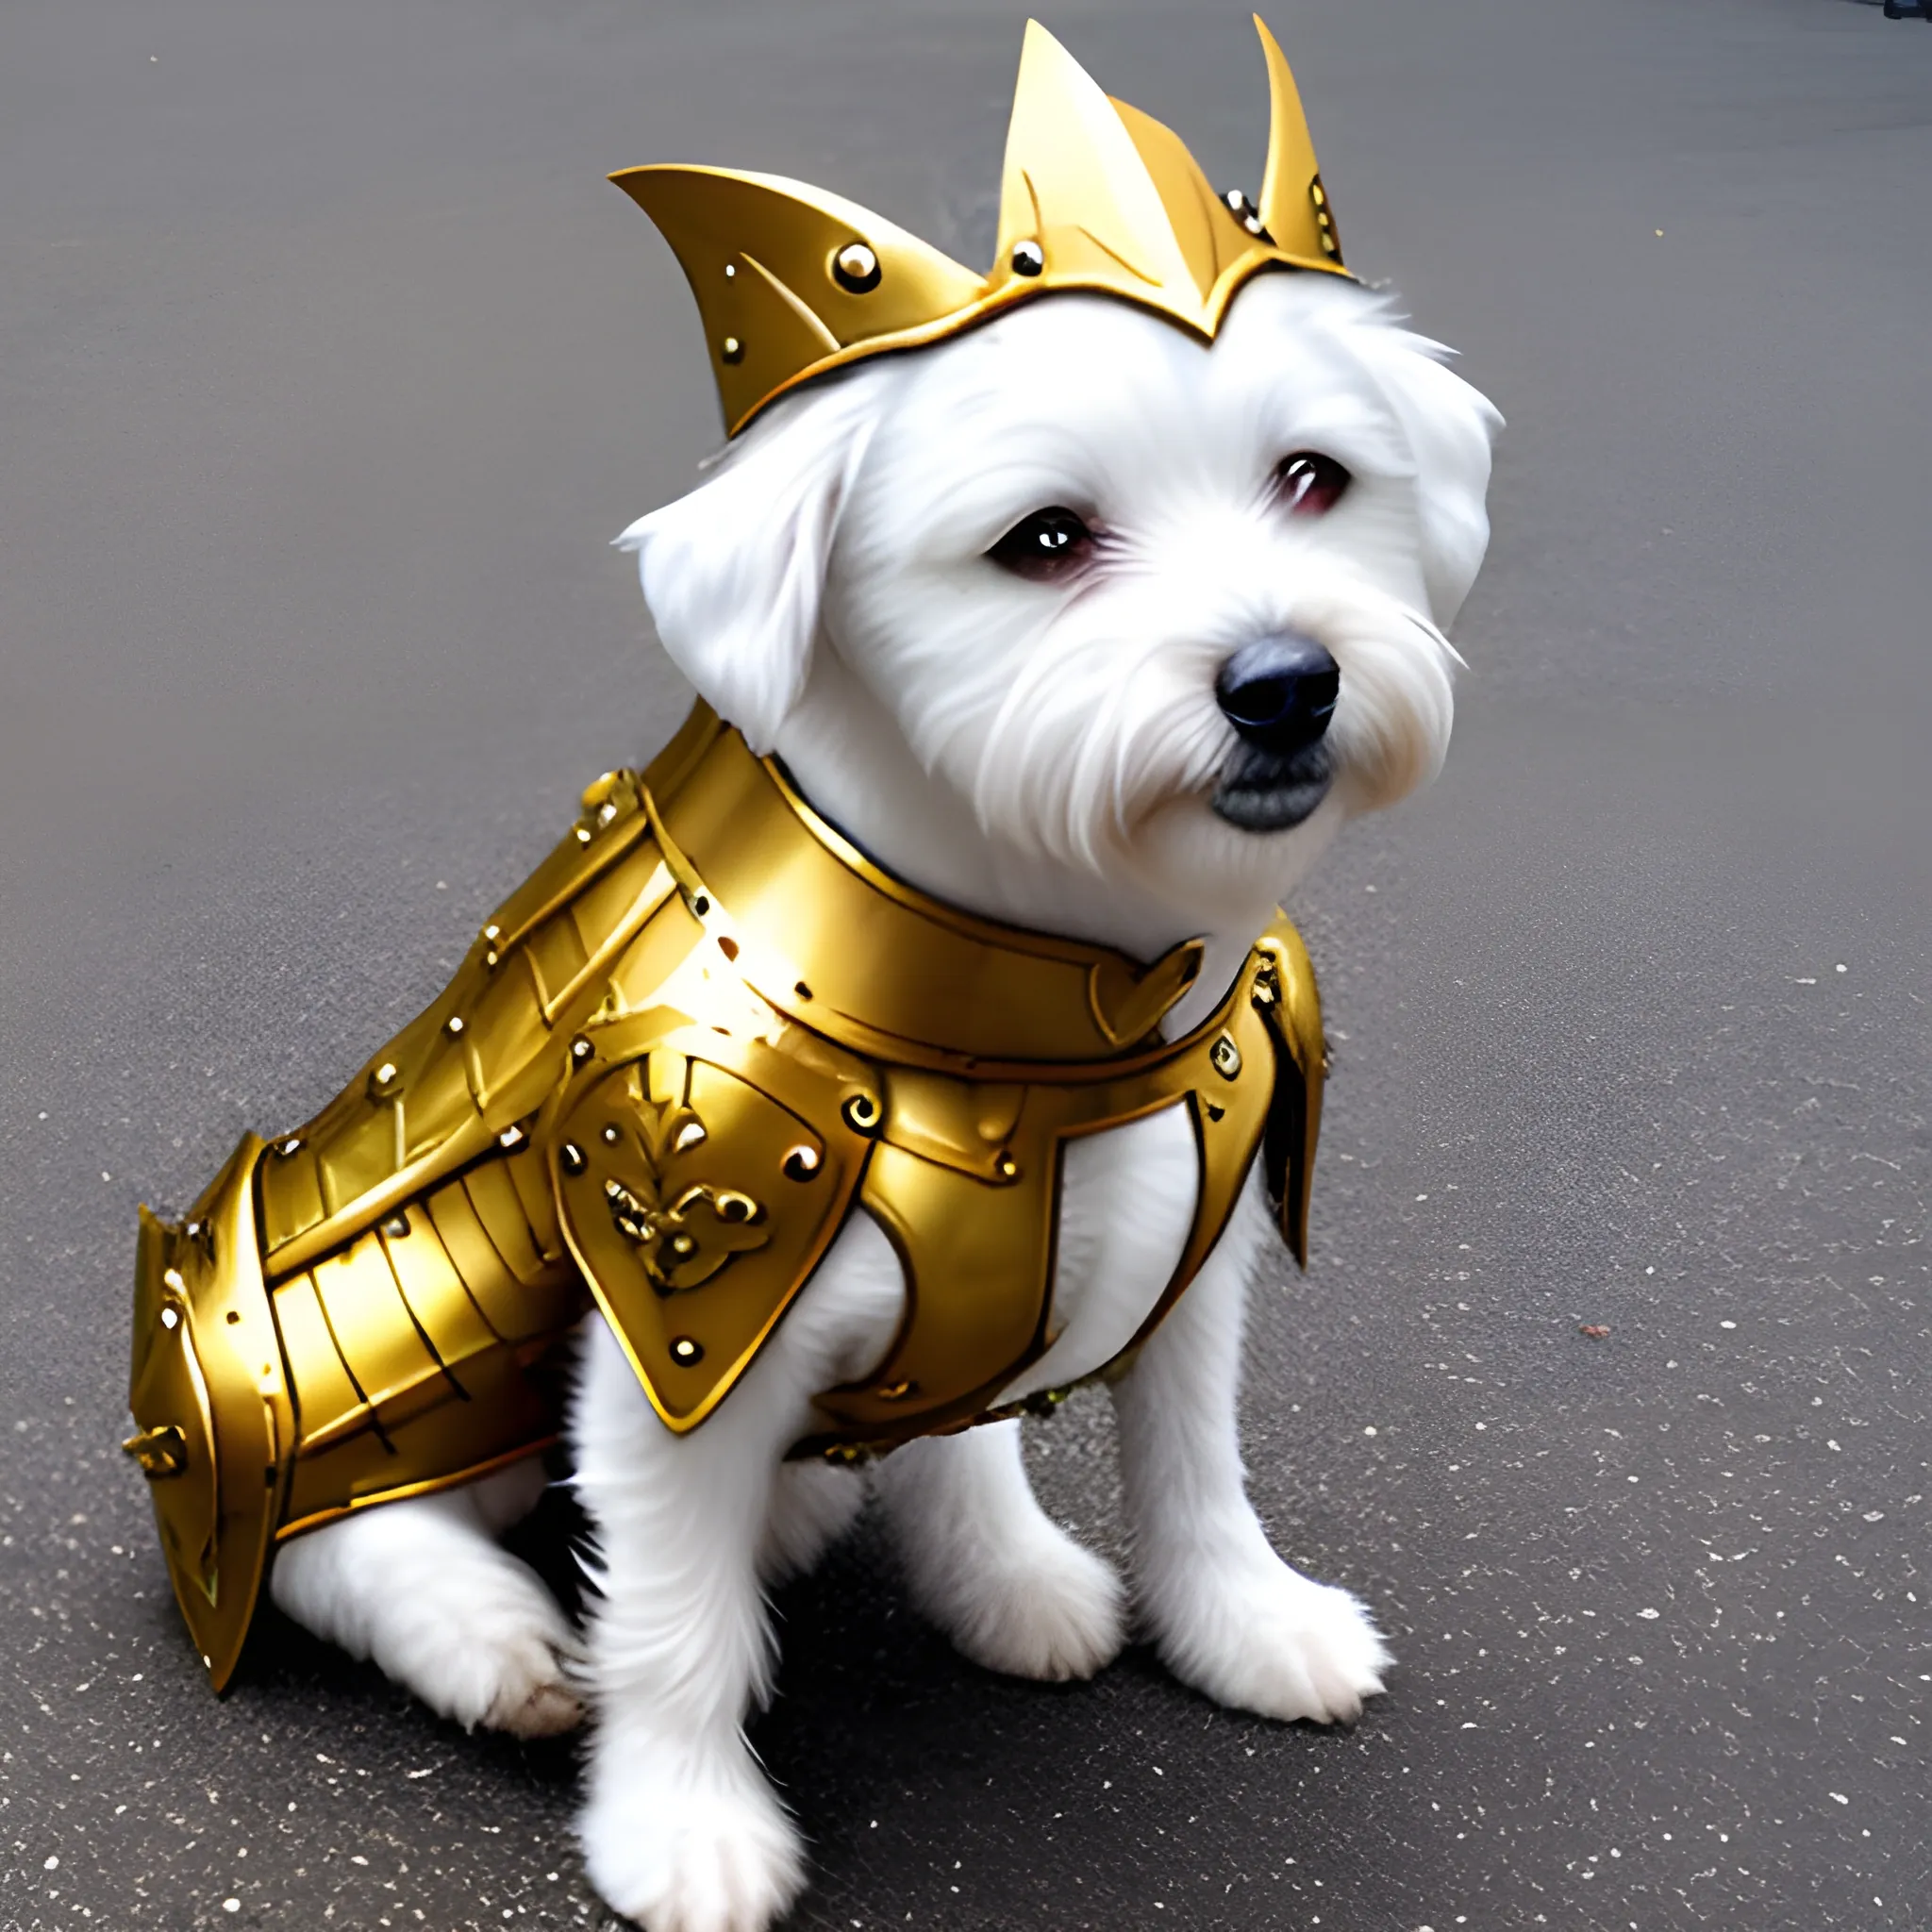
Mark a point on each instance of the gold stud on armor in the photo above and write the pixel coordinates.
(161, 1452)
(856, 269)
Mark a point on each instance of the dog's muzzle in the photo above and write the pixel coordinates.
(1278, 693)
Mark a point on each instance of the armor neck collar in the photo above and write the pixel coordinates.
(839, 946)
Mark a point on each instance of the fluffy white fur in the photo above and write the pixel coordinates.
(1046, 754)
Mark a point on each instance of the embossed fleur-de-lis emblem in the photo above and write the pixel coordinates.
(683, 1242)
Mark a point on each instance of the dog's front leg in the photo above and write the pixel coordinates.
(420, 1587)
(1229, 1617)
(681, 1830)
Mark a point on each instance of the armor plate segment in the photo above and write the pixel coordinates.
(486, 1053)
(976, 1227)
(700, 1176)
(211, 1406)
(1286, 995)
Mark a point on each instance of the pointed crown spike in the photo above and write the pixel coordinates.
(1294, 206)
(792, 282)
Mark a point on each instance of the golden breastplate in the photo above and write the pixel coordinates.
(673, 1064)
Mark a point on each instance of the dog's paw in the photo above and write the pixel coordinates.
(534, 1695)
(1048, 1609)
(702, 1857)
(1272, 1641)
(417, 1586)
(501, 1662)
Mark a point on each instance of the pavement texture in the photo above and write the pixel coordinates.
(327, 366)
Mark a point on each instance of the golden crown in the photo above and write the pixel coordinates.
(1095, 196)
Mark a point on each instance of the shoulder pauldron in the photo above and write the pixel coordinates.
(670, 1067)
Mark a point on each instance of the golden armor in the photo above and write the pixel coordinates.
(703, 1031)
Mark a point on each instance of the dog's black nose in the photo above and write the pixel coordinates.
(1280, 693)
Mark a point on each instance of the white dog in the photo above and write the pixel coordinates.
(1004, 606)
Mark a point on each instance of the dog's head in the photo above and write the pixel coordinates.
(1152, 609)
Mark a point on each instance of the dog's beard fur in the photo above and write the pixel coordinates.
(1074, 723)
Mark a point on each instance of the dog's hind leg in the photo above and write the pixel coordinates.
(987, 1564)
(813, 1505)
(680, 1829)
(1229, 1615)
(420, 1587)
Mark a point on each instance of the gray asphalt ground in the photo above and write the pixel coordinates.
(327, 366)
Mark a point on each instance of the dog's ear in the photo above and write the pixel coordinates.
(1450, 427)
(733, 572)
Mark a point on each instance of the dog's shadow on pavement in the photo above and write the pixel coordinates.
(881, 1738)
(901, 1761)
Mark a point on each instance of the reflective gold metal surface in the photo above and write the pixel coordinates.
(704, 1031)
(792, 282)
(837, 945)
(210, 1396)
(696, 1243)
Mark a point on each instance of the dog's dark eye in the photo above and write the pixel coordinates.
(1310, 483)
(1045, 544)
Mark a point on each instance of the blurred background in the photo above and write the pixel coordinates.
(328, 366)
